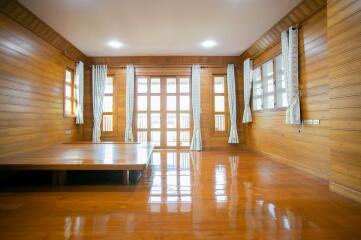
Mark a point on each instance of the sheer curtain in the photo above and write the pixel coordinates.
(247, 84)
(99, 75)
(231, 85)
(129, 93)
(289, 41)
(196, 143)
(79, 92)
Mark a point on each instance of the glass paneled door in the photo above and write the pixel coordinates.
(163, 111)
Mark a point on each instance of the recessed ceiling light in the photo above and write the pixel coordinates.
(209, 43)
(115, 44)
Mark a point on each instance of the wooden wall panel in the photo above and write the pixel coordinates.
(344, 35)
(32, 74)
(210, 141)
(20, 14)
(308, 148)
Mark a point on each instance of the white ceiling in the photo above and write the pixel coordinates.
(161, 27)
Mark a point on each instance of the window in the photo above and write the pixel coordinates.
(219, 103)
(70, 103)
(269, 87)
(281, 97)
(163, 110)
(108, 106)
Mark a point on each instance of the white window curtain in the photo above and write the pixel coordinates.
(79, 93)
(247, 85)
(129, 92)
(99, 76)
(231, 85)
(196, 143)
(289, 41)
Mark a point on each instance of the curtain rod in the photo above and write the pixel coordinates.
(167, 66)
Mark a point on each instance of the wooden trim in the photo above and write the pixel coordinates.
(345, 191)
(296, 16)
(164, 61)
(20, 14)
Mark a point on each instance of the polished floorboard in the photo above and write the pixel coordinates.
(186, 195)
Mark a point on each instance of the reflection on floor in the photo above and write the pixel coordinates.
(187, 195)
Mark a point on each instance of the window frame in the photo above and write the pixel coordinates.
(72, 100)
(106, 134)
(226, 110)
(259, 65)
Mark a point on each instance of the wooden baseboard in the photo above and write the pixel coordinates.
(345, 191)
(293, 164)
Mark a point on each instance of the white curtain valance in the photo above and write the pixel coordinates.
(79, 92)
(289, 42)
(99, 76)
(247, 84)
(129, 92)
(231, 85)
(196, 143)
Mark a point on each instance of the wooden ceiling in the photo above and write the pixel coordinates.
(299, 14)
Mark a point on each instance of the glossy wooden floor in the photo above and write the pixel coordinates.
(82, 156)
(208, 195)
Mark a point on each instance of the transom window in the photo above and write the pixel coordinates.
(268, 93)
(163, 110)
(70, 87)
(220, 103)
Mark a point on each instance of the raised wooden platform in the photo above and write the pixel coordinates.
(82, 156)
(131, 158)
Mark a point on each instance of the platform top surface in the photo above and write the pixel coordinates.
(81, 155)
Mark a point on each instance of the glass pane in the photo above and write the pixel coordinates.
(284, 100)
(109, 85)
(184, 120)
(155, 103)
(269, 102)
(171, 85)
(107, 123)
(155, 85)
(184, 85)
(257, 74)
(219, 103)
(219, 84)
(257, 89)
(67, 91)
(281, 99)
(171, 103)
(155, 137)
(142, 85)
(184, 103)
(219, 123)
(171, 120)
(155, 120)
(142, 120)
(108, 104)
(184, 138)
(142, 103)
(267, 69)
(257, 104)
(67, 106)
(142, 136)
(68, 76)
(171, 138)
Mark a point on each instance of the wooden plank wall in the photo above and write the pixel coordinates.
(344, 35)
(309, 148)
(32, 76)
(160, 66)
